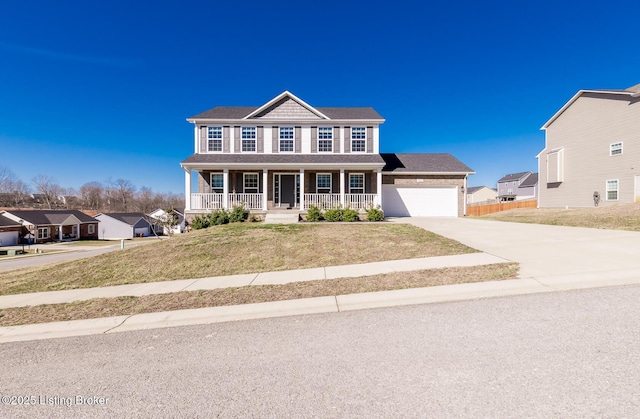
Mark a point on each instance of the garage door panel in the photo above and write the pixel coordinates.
(403, 201)
(9, 238)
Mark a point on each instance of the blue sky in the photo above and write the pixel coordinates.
(92, 91)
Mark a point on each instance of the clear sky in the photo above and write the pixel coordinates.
(92, 91)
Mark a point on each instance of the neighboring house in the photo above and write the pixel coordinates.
(10, 231)
(478, 194)
(123, 225)
(161, 214)
(592, 148)
(54, 225)
(516, 186)
(287, 154)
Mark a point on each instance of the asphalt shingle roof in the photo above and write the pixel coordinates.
(513, 176)
(7, 222)
(423, 162)
(130, 218)
(51, 217)
(531, 180)
(239, 112)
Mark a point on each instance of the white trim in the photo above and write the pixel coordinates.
(292, 139)
(606, 189)
(244, 182)
(611, 149)
(254, 139)
(364, 182)
(221, 139)
(351, 140)
(211, 181)
(291, 96)
(330, 181)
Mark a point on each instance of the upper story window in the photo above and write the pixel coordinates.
(217, 182)
(358, 139)
(323, 183)
(612, 190)
(325, 139)
(214, 138)
(286, 139)
(356, 182)
(248, 138)
(615, 149)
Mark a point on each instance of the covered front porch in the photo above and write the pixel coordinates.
(273, 189)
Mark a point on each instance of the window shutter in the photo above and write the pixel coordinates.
(203, 140)
(236, 139)
(369, 139)
(225, 139)
(555, 166)
(313, 185)
(298, 140)
(347, 139)
(314, 139)
(275, 139)
(335, 182)
(239, 182)
(336, 139)
(260, 140)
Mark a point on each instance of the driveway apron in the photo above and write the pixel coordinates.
(542, 250)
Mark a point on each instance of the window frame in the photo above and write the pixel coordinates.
(359, 139)
(616, 149)
(325, 139)
(351, 188)
(43, 233)
(214, 142)
(91, 229)
(216, 189)
(245, 177)
(288, 138)
(616, 190)
(248, 139)
(324, 188)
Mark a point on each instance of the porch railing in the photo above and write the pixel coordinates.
(360, 201)
(248, 200)
(206, 201)
(322, 200)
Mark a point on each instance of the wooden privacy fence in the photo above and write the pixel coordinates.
(484, 209)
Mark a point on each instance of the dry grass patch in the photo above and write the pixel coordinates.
(613, 217)
(107, 307)
(237, 249)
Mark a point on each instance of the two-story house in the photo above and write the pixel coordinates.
(592, 153)
(517, 186)
(287, 154)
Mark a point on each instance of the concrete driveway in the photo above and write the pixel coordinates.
(543, 250)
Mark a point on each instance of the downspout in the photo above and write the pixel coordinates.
(464, 195)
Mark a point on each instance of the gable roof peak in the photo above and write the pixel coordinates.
(279, 98)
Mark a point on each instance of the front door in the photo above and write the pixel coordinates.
(288, 191)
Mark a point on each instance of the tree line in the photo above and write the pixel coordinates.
(118, 195)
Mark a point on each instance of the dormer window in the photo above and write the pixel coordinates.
(325, 139)
(358, 139)
(615, 149)
(214, 138)
(286, 139)
(248, 139)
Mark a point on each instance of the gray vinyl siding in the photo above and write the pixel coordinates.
(585, 131)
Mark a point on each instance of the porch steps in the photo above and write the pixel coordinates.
(281, 218)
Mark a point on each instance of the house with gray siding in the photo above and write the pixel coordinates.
(592, 150)
(287, 155)
(118, 226)
(518, 186)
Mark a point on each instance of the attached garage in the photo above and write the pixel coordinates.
(8, 238)
(416, 201)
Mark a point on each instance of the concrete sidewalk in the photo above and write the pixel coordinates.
(265, 278)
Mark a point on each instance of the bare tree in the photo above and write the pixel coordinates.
(92, 196)
(7, 178)
(48, 188)
(19, 194)
(120, 195)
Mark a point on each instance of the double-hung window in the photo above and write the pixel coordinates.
(248, 138)
(356, 182)
(325, 139)
(323, 183)
(43, 232)
(286, 139)
(91, 229)
(612, 189)
(217, 182)
(250, 183)
(214, 138)
(615, 149)
(358, 139)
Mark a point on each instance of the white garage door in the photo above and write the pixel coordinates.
(142, 230)
(9, 238)
(407, 201)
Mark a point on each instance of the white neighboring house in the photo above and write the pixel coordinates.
(161, 215)
(117, 226)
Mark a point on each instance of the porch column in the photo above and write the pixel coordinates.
(379, 186)
(60, 232)
(342, 188)
(225, 188)
(187, 189)
(301, 189)
(265, 185)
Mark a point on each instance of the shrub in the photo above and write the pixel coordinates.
(333, 214)
(314, 214)
(200, 222)
(350, 215)
(375, 214)
(238, 214)
(218, 217)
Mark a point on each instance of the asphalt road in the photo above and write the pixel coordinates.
(565, 354)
